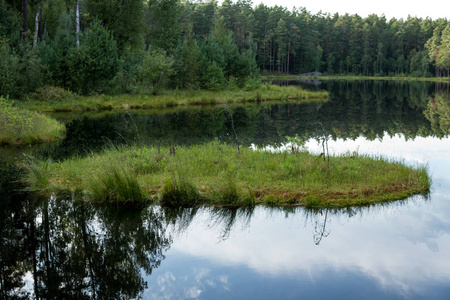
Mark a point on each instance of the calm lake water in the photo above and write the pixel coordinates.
(59, 248)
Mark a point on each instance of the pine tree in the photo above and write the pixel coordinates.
(443, 58)
(281, 40)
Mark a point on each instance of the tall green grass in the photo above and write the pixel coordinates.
(115, 184)
(37, 175)
(215, 173)
(179, 192)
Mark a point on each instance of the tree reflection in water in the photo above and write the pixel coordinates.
(79, 250)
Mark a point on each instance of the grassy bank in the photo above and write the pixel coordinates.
(349, 77)
(214, 173)
(171, 99)
(20, 126)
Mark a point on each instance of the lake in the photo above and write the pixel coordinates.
(69, 248)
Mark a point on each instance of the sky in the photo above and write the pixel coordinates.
(390, 8)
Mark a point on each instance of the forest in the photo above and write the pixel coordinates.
(132, 46)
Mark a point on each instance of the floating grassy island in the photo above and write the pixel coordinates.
(172, 98)
(219, 174)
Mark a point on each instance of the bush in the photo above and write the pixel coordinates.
(155, 70)
(213, 79)
(21, 72)
(50, 93)
(19, 126)
(55, 54)
(252, 83)
(12, 119)
(9, 71)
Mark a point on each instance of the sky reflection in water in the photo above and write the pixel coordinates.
(393, 251)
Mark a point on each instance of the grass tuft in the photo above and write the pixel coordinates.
(37, 175)
(116, 185)
(179, 192)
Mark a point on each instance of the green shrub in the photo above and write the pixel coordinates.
(12, 119)
(56, 54)
(21, 72)
(9, 70)
(51, 93)
(213, 79)
(252, 83)
(155, 70)
(20, 126)
(96, 61)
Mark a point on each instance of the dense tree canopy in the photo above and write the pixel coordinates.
(234, 40)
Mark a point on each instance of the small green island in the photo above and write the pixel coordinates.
(220, 174)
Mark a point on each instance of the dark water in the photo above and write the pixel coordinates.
(59, 248)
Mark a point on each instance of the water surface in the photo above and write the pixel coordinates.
(64, 248)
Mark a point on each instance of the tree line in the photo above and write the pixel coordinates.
(132, 46)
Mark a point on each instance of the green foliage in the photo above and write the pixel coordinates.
(124, 18)
(56, 54)
(297, 144)
(443, 58)
(96, 60)
(21, 72)
(9, 20)
(213, 79)
(252, 83)
(419, 64)
(12, 118)
(155, 70)
(51, 93)
(198, 39)
(9, 71)
(19, 126)
(188, 62)
(163, 24)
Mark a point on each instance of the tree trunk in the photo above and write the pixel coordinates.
(25, 19)
(36, 25)
(68, 19)
(77, 22)
(289, 50)
(41, 28)
(46, 16)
